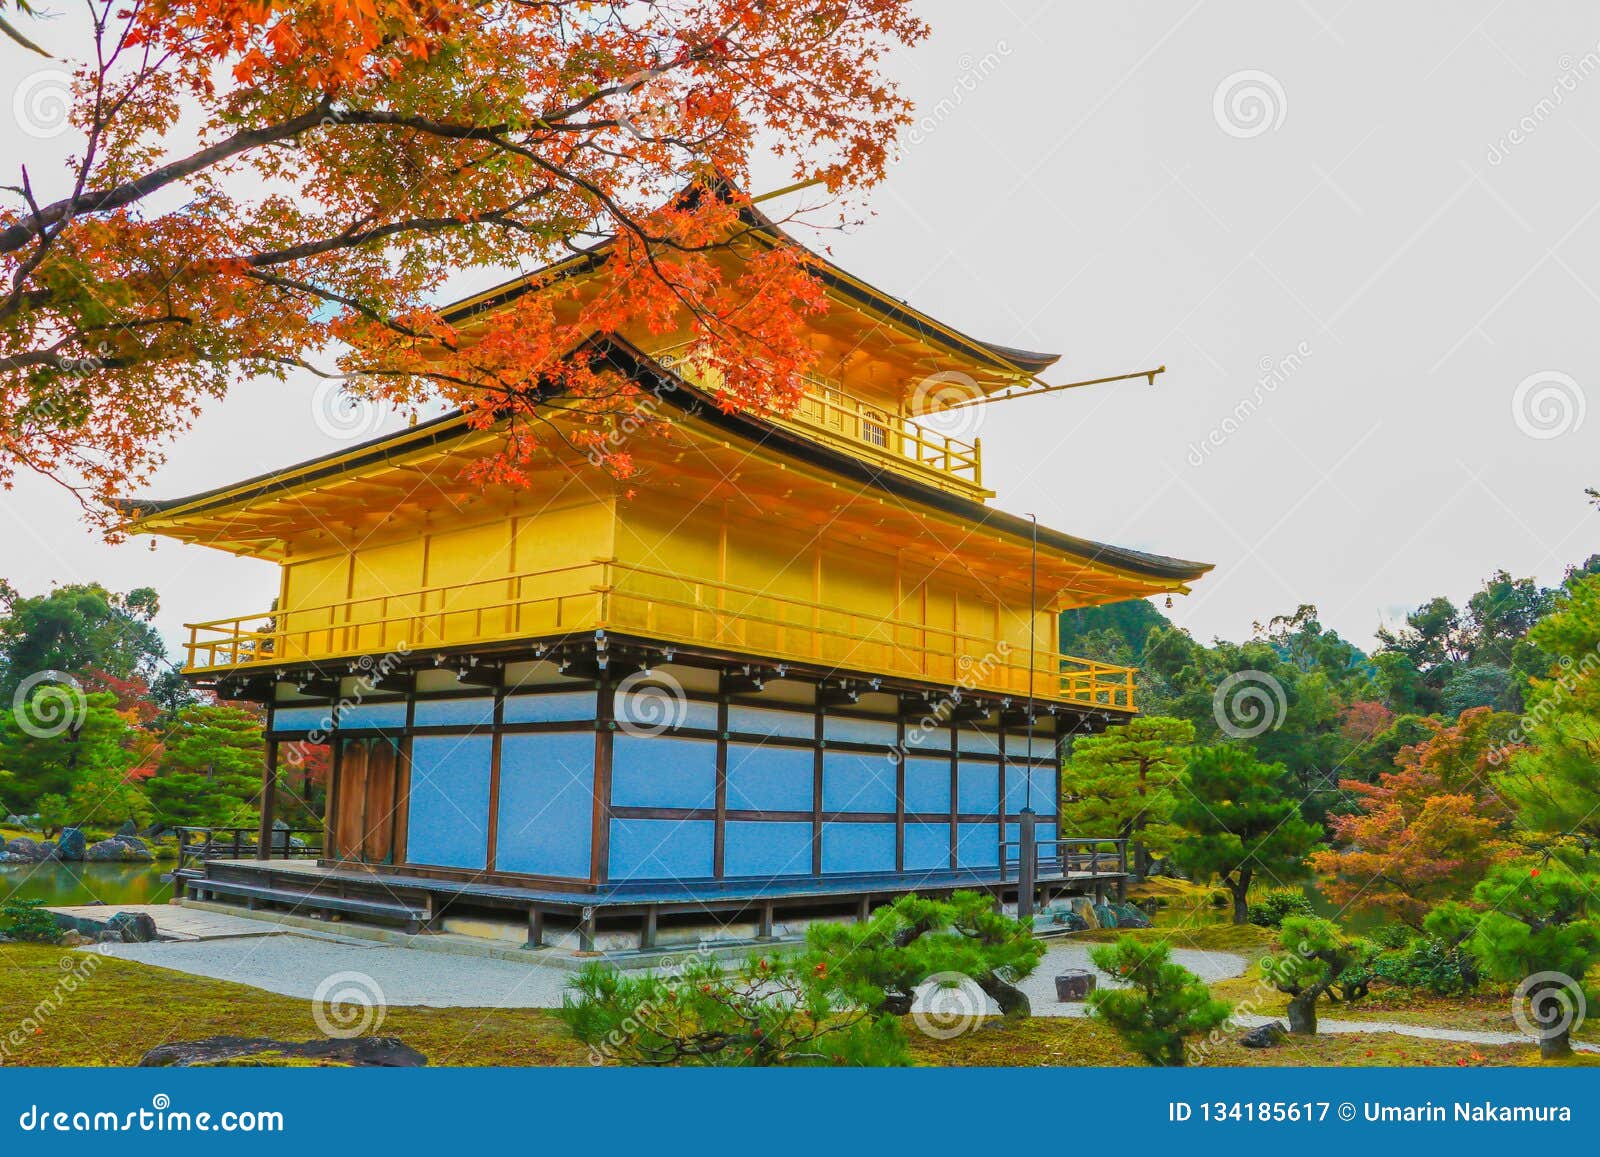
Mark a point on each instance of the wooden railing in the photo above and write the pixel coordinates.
(874, 431)
(606, 594)
(196, 845)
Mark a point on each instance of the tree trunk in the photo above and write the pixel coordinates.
(1012, 1000)
(1240, 887)
(1303, 1014)
(1555, 1046)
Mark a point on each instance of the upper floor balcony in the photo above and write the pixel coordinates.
(604, 594)
(886, 437)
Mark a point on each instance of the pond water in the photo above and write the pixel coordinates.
(85, 883)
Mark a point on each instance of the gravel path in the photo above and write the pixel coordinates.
(306, 965)
(296, 964)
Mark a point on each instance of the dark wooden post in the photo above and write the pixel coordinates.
(269, 796)
(1027, 863)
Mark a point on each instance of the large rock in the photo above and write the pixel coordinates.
(1130, 916)
(1268, 1036)
(22, 850)
(133, 927)
(124, 849)
(1083, 908)
(72, 844)
(1106, 916)
(231, 1051)
(128, 828)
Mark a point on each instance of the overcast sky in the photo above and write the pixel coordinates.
(1362, 237)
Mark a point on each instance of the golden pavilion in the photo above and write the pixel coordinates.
(797, 663)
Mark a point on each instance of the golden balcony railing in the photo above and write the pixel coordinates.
(868, 430)
(608, 595)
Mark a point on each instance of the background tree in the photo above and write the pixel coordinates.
(211, 770)
(258, 188)
(78, 628)
(1554, 778)
(1241, 823)
(70, 757)
(1122, 781)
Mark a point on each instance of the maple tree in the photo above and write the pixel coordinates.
(261, 189)
(1427, 831)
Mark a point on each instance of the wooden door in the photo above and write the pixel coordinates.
(367, 797)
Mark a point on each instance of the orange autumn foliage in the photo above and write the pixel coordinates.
(254, 188)
(1426, 832)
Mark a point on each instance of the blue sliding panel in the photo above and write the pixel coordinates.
(316, 718)
(447, 817)
(928, 785)
(920, 738)
(546, 803)
(977, 845)
(765, 778)
(927, 847)
(978, 787)
(551, 707)
(853, 782)
(360, 715)
(978, 741)
(848, 729)
(661, 771)
(662, 849)
(771, 721)
(754, 848)
(455, 712)
(856, 847)
(1043, 800)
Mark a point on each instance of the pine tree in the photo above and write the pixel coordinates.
(1240, 821)
(1121, 782)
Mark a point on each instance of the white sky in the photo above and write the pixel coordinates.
(1075, 187)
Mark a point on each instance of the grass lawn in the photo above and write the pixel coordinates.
(123, 1009)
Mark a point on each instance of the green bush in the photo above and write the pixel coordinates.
(1392, 936)
(879, 964)
(1271, 909)
(27, 920)
(1431, 964)
(1163, 1005)
(770, 1012)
